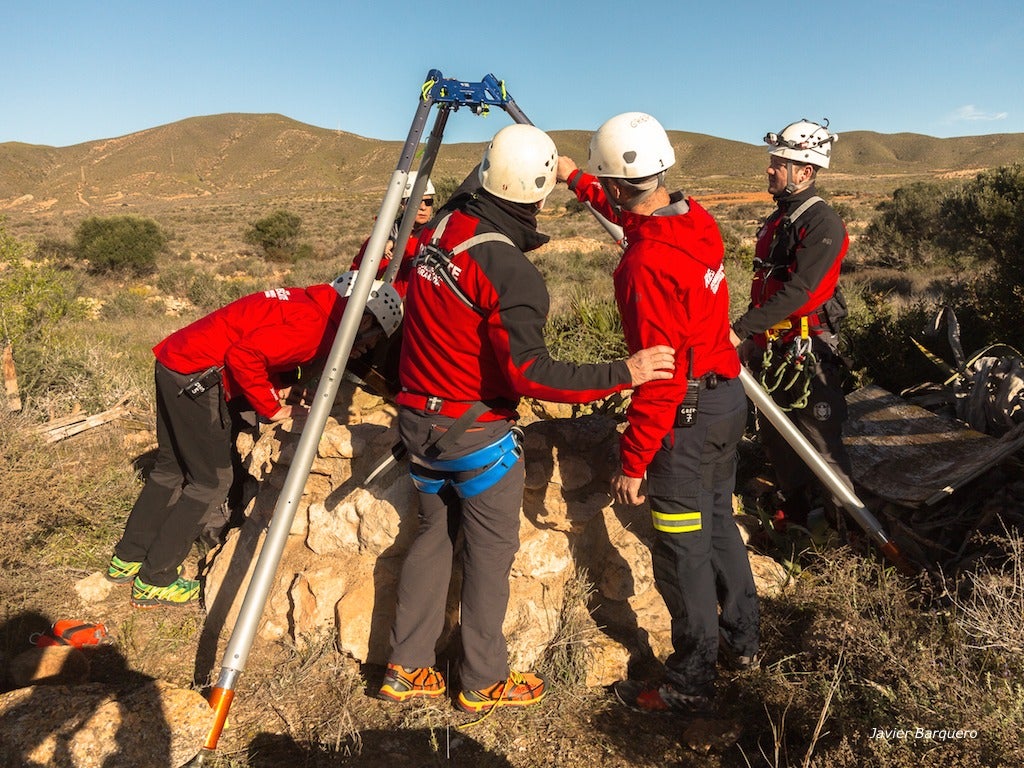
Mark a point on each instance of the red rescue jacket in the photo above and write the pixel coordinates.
(670, 288)
(256, 338)
(796, 269)
(495, 351)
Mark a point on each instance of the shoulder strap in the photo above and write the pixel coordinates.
(810, 201)
(439, 260)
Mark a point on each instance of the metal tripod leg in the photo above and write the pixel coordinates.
(237, 651)
(422, 176)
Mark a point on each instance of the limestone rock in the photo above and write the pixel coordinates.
(94, 588)
(91, 726)
(344, 553)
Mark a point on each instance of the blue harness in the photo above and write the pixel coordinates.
(498, 458)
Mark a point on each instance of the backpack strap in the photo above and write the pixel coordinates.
(789, 220)
(439, 260)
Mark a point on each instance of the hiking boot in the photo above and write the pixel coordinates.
(647, 697)
(121, 571)
(520, 690)
(180, 592)
(403, 683)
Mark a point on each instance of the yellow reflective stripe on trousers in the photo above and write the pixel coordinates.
(680, 522)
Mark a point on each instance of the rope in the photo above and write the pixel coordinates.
(792, 375)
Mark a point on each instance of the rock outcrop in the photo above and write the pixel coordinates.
(341, 563)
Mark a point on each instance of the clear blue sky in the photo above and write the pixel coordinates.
(75, 71)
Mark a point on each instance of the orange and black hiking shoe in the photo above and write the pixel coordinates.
(402, 683)
(520, 690)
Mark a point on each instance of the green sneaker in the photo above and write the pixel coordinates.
(181, 592)
(121, 571)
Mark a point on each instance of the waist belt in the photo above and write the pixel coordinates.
(452, 409)
(802, 326)
(495, 459)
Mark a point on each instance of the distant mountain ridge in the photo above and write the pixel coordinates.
(251, 155)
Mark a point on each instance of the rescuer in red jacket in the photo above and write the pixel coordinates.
(242, 350)
(472, 345)
(793, 321)
(683, 431)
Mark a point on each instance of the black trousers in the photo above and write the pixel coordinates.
(701, 566)
(191, 476)
(489, 524)
(821, 422)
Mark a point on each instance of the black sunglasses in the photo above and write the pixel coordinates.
(429, 201)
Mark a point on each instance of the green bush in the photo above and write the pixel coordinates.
(278, 236)
(905, 233)
(444, 188)
(33, 296)
(128, 244)
(589, 332)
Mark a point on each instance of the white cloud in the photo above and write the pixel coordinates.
(971, 113)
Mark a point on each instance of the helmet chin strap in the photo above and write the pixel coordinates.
(790, 186)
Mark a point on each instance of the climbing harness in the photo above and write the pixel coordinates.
(494, 460)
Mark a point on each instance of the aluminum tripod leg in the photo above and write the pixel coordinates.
(764, 403)
(237, 651)
(422, 176)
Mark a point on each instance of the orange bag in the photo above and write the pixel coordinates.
(71, 632)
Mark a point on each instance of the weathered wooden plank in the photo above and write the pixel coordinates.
(11, 380)
(912, 457)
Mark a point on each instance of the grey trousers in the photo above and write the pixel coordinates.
(489, 528)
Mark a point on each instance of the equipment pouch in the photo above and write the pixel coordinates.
(686, 416)
(201, 382)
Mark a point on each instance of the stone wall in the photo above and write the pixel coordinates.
(340, 566)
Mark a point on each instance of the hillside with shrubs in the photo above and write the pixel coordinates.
(117, 243)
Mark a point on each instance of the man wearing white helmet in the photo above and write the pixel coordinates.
(793, 319)
(244, 352)
(473, 344)
(682, 433)
(424, 211)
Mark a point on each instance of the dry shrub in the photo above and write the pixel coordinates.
(895, 662)
(989, 602)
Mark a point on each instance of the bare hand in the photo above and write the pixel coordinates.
(736, 340)
(565, 169)
(657, 362)
(626, 490)
(286, 412)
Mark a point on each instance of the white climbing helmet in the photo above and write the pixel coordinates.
(519, 164)
(803, 141)
(632, 145)
(409, 182)
(384, 301)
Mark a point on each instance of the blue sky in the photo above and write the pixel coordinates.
(78, 71)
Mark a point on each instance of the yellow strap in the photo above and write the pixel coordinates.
(804, 328)
(678, 522)
(427, 87)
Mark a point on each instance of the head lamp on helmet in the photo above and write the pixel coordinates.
(803, 142)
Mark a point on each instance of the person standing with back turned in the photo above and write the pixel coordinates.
(683, 431)
(473, 344)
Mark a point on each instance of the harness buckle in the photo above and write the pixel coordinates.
(433, 404)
